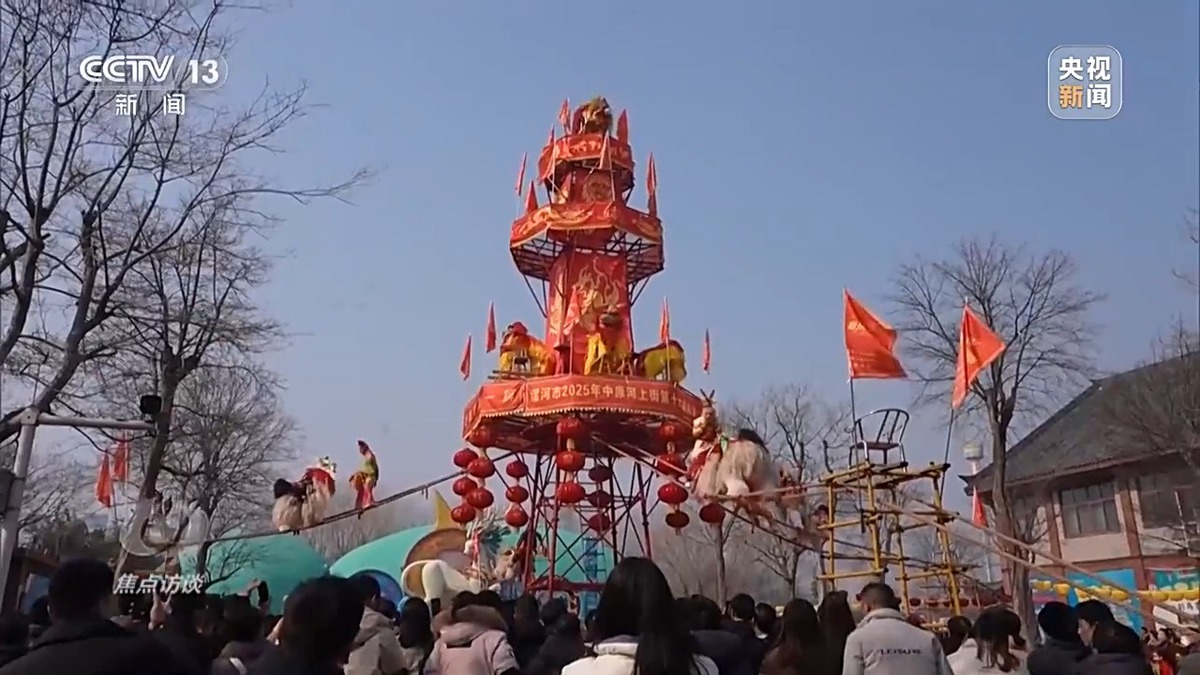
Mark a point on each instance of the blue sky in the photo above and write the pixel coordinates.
(801, 147)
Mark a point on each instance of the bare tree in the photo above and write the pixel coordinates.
(88, 196)
(1034, 302)
(231, 438)
(693, 561)
(338, 538)
(964, 550)
(53, 486)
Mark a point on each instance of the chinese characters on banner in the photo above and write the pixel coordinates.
(1084, 82)
(173, 104)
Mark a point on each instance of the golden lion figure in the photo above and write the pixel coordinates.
(666, 362)
(593, 117)
(608, 351)
(521, 352)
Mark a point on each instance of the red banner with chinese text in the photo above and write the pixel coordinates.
(583, 286)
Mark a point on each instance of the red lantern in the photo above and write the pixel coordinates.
(571, 428)
(599, 522)
(463, 485)
(669, 464)
(599, 473)
(480, 498)
(516, 517)
(464, 457)
(569, 492)
(482, 437)
(569, 460)
(516, 494)
(677, 520)
(914, 602)
(712, 513)
(672, 432)
(481, 467)
(517, 469)
(672, 494)
(600, 499)
(462, 514)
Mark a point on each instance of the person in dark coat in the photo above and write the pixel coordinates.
(1092, 613)
(317, 631)
(702, 616)
(1118, 652)
(1063, 648)
(526, 633)
(739, 620)
(82, 640)
(563, 646)
(179, 631)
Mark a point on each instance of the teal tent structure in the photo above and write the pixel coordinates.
(281, 560)
(384, 558)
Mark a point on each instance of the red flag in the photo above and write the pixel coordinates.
(531, 203)
(870, 343)
(564, 116)
(623, 127)
(706, 353)
(521, 176)
(120, 461)
(978, 347)
(978, 516)
(651, 186)
(104, 483)
(491, 329)
(464, 366)
(664, 324)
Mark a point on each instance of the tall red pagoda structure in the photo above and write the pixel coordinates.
(588, 420)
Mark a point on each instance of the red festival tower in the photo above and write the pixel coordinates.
(580, 421)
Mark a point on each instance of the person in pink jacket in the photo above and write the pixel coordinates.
(472, 640)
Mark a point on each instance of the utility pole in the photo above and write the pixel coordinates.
(30, 419)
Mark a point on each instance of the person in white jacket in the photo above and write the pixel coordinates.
(990, 650)
(636, 629)
(885, 643)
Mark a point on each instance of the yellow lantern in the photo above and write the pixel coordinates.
(1193, 594)
(1177, 596)
(1062, 589)
(1103, 591)
(1119, 595)
(1158, 596)
(1083, 594)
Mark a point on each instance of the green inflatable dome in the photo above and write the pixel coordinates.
(281, 560)
(386, 556)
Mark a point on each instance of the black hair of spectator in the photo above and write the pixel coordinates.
(488, 598)
(637, 601)
(366, 588)
(765, 618)
(461, 601)
(416, 624)
(14, 631)
(552, 610)
(958, 629)
(242, 622)
(741, 607)
(879, 595)
(1094, 612)
(566, 626)
(708, 613)
(1115, 638)
(1059, 621)
(525, 609)
(78, 589)
(321, 619)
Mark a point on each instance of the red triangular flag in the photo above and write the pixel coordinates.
(521, 176)
(464, 366)
(664, 324)
(490, 336)
(564, 116)
(120, 461)
(978, 516)
(623, 127)
(651, 186)
(706, 353)
(978, 347)
(531, 203)
(104, 483)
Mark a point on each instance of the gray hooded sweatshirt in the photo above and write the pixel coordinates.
(886, 644)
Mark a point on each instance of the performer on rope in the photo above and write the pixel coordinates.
(303, 503)
(364, 480)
